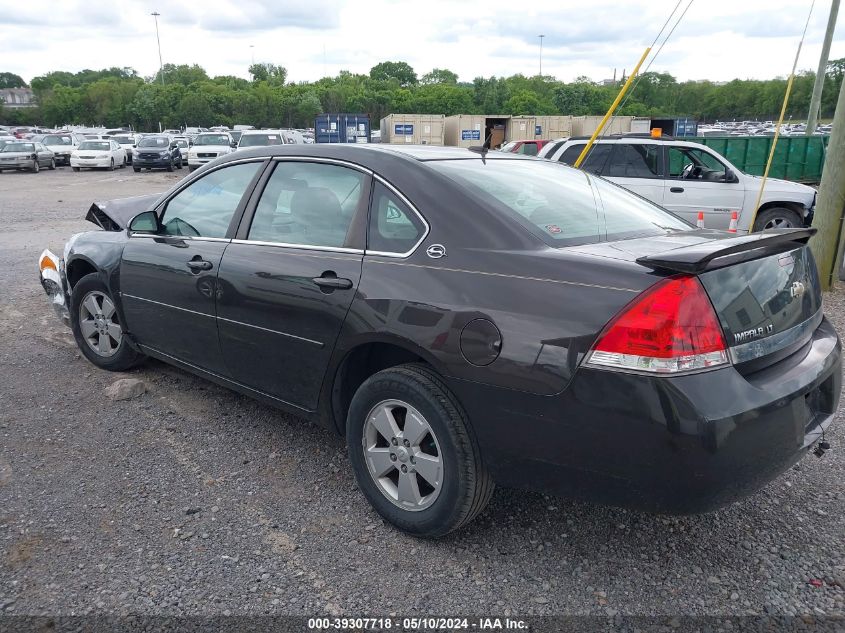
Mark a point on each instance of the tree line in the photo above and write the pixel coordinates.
(184, 94)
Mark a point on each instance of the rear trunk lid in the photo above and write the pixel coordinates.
(764, 286)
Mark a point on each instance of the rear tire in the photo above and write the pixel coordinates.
(405, 395)
(777, 218)
(36, 167)
(103, 341)
(136, 169)
(111, 165)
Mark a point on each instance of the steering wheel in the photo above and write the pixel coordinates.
(687, 173)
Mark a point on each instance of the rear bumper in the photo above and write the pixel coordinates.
(676, 445)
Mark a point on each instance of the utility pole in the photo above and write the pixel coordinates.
(252, 50)
(827, 244)
(818, 86)
(155, 15)
(541, 54)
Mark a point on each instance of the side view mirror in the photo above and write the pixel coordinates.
(233, 144)
(174, 145)
(146, 222)
(730, 176)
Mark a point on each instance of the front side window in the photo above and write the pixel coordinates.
(630, 160)
(205, 207)
(311, 204)
(564, 207)
(689, 163)
(528, 149)
(595, 161)
(394, 228)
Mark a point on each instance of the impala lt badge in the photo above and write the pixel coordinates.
(747, 335)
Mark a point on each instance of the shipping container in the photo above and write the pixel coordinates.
(342, 128)
(678, 126)
(413, 129)
(799, 158)
(521, 128)
(586, 125)
(467, 130)
(552, 127)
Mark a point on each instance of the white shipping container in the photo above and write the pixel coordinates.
(413, 129)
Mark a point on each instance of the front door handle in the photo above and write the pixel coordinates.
(197, 265)
(676, 189)
(333, 283)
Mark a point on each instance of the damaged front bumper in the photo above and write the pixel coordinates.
(54, 282)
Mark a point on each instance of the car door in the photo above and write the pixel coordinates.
(168, 279)
(595, 160)
(701, 187)
(43, 154)
(287, 281)
(639, 168)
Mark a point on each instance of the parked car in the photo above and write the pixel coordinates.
(260, 138)
(528, 148)
(184, 144)
(105, 154)
(127, 142)
(208, 146)
(157, 152)
(26, 155)
(236, 135)
(687, 177)
(461, 326)
(62, 145)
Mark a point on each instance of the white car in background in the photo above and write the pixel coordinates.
(687, 178)
(127, 142)
(184, 144)
(208, 146)
(62, 145)
(98, 154)
(260, 138)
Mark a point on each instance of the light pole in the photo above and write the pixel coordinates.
(155, 15)
(252, 50)
(541, 54)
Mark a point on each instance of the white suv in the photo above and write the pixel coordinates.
(687, 177)
(208, 146)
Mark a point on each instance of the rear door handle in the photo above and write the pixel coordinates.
(197, 265)
(676, 189)
(334, 283)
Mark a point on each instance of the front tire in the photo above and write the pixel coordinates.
(111, 165)
(36, 167)
(97, 328)
(170, 165)
(75, 168)
(777, 218)
(413, 453)
(52, 164)
(137, 170)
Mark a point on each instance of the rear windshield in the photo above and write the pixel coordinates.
(19, 147)
(154, 141)
(101, 146)
(55, 139)
(124, 140)
(562, 206)
(255, 140)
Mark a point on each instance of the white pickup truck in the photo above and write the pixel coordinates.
(688, 178)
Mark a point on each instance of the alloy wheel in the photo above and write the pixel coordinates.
(778, 223)
(99, 325)
(403, 455)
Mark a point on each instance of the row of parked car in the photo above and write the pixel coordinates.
(166, 150)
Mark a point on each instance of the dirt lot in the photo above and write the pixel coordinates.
(194, 500)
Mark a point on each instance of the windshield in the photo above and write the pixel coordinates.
(257, 140)
(55, 139)
(236, 136)
(508, 147)
(124, 140)
(212, 139)
(154, 141)
(558, 204)
(181, 142)
(19, 147)
(99, 146)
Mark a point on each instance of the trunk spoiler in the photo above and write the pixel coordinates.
(730, 250)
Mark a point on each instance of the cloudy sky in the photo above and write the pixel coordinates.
(717, 40)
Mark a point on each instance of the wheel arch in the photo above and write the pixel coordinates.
(362, 361)
(77, 268)
(796, 207)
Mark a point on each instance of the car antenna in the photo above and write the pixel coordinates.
(483, 149)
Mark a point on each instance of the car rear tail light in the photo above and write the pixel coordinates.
(670, 328)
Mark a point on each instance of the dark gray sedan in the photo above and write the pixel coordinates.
(465, 318)
(26, 155)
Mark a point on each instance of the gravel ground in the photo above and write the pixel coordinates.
(192, 499)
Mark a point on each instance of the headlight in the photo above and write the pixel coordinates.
(164, 154)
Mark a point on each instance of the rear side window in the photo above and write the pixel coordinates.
(634, 161)
(394, 228)
(564, 207)
(205, 207)
(528, 149)
(595, 161)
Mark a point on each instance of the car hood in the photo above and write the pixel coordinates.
(777, 184)
(114, 215)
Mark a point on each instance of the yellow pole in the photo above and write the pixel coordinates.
(772, 151)
(613, 107)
